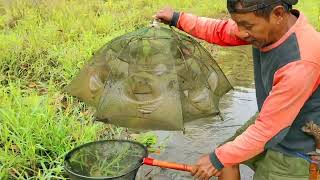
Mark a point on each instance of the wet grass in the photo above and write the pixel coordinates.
(43, 44)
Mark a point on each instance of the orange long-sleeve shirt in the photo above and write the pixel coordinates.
(292, 85)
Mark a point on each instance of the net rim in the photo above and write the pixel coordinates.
(71, 152)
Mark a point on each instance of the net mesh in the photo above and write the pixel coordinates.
(107, 159)
(152, 78)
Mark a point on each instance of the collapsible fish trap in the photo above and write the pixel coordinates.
(152, 78)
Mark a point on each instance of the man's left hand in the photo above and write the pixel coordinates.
(204, 169)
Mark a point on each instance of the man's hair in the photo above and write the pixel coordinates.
(261, 8)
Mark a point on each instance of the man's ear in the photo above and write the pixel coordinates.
(277, 14)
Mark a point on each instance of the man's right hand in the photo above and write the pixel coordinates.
(164, 15)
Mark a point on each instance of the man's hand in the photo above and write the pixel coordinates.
(164, 15)
(204, 169)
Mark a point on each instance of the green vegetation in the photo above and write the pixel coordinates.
(311, 8)
(37, 130)
(50, 40)
(43, 44)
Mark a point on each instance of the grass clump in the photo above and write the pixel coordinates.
(36, 132)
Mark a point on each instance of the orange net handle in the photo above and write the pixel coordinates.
(314, 170)
(165, 164)
(314, 174)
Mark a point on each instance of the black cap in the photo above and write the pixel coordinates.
(253, 5)
(290, 2)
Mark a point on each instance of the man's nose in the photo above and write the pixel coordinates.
(243, 35)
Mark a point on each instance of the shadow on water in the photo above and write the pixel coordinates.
(203, 135)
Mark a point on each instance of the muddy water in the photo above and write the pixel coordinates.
(203, 135)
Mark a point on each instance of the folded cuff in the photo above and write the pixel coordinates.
(215, 161)
(175, 19)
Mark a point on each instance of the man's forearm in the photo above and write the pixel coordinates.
(220, 32)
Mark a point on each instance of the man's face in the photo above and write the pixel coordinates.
(256, 30)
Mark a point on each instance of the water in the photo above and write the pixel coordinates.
(203, 135)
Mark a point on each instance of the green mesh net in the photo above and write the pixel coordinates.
(152, 78)
(108, 159)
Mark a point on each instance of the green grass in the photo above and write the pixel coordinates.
(51, 40)
(311, 8)
(36, 131)
(43, 44)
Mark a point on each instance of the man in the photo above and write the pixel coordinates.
(287, 75)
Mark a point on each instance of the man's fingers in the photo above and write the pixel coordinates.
(204, 176)
(160, 14)
(215, 172)
(201, 174)
(194, 170)
(157, 18)
(165, 15)
(198, 174)
(205, 169)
